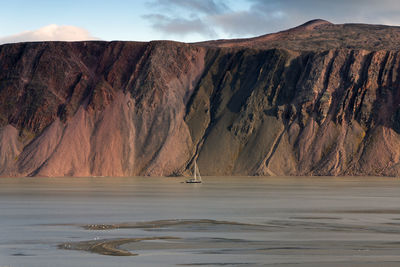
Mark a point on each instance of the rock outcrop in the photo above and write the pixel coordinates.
(319, 99)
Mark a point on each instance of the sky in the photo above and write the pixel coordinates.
(180, 20)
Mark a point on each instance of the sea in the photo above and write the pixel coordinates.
(225, 221)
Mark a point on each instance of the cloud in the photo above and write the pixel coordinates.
(213, 18)
(50, 33)
(338, 11)
(249, 22)
(179, 26)
(202, 6)
(270, 16)
(184, 17)
(217, 18)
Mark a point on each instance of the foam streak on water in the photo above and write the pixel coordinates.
(236, 221)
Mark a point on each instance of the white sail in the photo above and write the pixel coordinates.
(196, 175)
(195, 171)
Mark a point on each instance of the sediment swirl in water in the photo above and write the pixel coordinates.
(109, 247)
(163, 223)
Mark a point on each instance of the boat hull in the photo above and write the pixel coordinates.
(193, 182)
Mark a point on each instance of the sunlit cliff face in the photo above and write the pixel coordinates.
(319, 99)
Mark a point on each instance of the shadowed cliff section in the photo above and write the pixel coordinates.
(283, 113)
(314, 100)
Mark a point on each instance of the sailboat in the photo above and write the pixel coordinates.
(196, 176)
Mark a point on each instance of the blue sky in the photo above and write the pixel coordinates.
(181, 20)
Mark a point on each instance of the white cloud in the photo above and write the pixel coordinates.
(51, 32)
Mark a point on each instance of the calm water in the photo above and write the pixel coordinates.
(284, 222)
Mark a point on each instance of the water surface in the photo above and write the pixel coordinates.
(234, 221)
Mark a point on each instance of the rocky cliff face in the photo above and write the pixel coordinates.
(299, 102)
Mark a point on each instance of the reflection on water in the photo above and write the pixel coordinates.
(225, 221)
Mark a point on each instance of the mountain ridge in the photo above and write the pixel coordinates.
(321, 35)
(285, 105)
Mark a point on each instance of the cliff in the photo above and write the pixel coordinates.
(319, 99)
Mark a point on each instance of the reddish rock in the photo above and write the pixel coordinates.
(319, 99)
